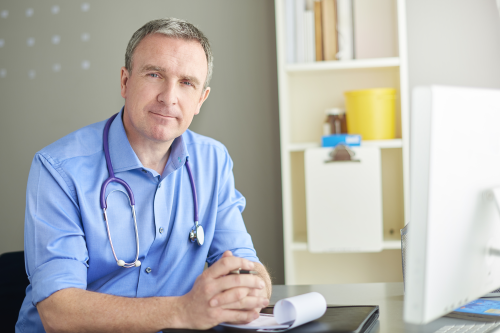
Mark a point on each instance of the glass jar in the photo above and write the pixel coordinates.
(335, 122)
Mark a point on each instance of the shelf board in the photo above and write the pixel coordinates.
(392, 245)
(346, 64)
(395, 143)
(299, 246)
(387, 245)
(302, 146)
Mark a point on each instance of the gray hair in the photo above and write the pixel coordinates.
(175, 28)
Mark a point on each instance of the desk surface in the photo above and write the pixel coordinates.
(388, 296)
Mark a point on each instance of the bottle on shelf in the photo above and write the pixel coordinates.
(335, 122)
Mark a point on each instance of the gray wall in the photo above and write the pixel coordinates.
(39, 104)
(454, 42)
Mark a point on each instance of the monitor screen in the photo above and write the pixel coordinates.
(453, 252)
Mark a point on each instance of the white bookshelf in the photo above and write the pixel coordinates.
(388, 245)
(305, 91)
(395, 143)
(340, 65)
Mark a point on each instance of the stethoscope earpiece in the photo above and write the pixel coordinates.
(121, 263)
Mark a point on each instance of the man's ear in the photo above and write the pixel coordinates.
(203, 98)
(124, 76)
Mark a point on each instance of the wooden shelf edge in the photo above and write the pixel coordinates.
(387, 245)
(299, 246)
(392, 245)
(346, 64)
(394, 143)
(302, 146)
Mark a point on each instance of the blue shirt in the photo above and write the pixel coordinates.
(66, 242)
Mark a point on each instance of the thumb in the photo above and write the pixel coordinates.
(227, 254)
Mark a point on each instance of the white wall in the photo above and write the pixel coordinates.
(241, 112)
(454, 42)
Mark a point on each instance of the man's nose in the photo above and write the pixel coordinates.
(168, 94)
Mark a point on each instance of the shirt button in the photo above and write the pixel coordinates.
(159, 185)
(161, 230)
(148, 270)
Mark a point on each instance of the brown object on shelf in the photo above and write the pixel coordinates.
(335, 122)
(329, 23)
(318, 31)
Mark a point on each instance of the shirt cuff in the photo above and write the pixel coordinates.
(56, 275)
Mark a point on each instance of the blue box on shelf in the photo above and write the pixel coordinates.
(335, 139)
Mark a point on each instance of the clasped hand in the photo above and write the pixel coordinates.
(218, 297)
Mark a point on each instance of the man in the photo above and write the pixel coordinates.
(77, 264)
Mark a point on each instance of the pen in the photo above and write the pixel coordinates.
(242, 271)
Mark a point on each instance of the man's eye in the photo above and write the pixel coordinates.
(187, 83)
(153, 75)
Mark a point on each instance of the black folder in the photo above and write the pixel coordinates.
(337, 319)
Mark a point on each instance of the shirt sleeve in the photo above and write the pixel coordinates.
(230, 232)
(55, 250)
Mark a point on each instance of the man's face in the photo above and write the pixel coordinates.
(164, 90)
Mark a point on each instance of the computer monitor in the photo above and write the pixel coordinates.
(453, 252)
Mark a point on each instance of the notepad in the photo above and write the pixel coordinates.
(479, 310)
(265, 321)
(288, 313)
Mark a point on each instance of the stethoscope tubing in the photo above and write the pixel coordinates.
(136, 262)
(196, 234)
(193, 188)
(112, 177)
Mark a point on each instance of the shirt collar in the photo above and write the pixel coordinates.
(124, 158)
(177, 157)
(122, 155)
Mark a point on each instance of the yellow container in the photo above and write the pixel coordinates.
(371, 113)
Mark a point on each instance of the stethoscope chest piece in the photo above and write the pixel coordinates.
(197, 234)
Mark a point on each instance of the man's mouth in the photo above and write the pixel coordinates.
(162, 115)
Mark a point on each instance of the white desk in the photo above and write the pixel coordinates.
(388, 296)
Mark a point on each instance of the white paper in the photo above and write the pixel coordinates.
(289, 313)
(300, 309)
(265, 321)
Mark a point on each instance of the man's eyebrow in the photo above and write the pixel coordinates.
(148, 68)
(152, 68)
(192, 79)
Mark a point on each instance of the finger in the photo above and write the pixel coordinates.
(239, 316)
(248, 303)
(213, 287)
(232, 288)
(227, 264)
(227, 254)
(235, 288)
(243, 280)
(255, 292)
(229, 296)
(259, 292)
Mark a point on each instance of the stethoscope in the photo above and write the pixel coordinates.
(196, 234)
